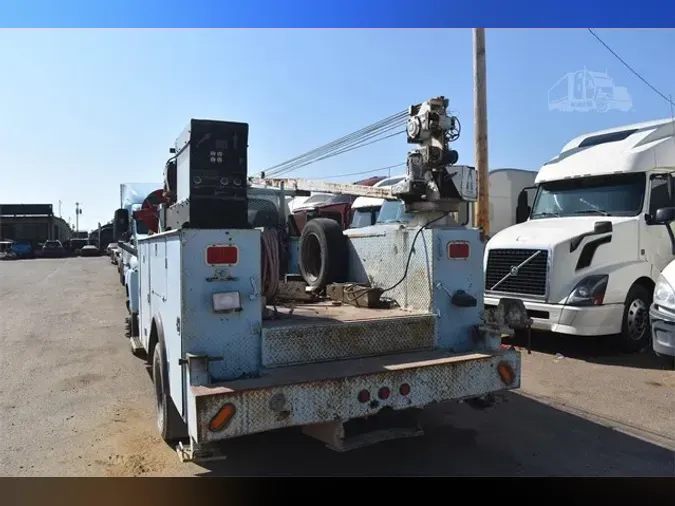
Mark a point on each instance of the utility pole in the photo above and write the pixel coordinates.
(78, 212)
(59, 208)
(482, 208)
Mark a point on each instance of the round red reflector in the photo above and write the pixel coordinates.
(364, 396)
(405, 389)
(383, 393)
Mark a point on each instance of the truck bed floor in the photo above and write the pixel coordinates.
(327, 312)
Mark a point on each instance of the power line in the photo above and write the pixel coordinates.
(629, 67)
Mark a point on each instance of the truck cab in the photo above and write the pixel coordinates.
(365, 210)
(586, 258)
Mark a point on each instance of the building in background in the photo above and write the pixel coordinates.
(34, 223)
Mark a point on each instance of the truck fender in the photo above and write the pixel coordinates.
(156, 336)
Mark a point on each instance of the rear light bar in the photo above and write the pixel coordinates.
(458, 250)
(222, 255)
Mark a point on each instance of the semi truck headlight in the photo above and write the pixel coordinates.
(590, 291)
(664, 294)
(226, 302)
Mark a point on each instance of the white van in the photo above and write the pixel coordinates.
(585, 258)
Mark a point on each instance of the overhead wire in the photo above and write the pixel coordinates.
(635, 72)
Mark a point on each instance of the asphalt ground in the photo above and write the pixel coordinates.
(75, 402)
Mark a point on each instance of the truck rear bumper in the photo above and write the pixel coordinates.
(329, 392)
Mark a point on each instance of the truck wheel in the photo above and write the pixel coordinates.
(323, 253)
(169, 422)
(635, 329)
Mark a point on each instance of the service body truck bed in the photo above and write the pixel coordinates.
(311, 366)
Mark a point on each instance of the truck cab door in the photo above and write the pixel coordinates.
(655, 246)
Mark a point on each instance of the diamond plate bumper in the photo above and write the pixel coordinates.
(326, 392)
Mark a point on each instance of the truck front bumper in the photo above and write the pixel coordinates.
(579, 321)
(328, 392)
(663, 331)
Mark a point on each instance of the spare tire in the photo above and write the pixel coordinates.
(323, 253)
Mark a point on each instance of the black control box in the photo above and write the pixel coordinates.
(212, 172)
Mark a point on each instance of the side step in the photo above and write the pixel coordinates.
(137, 349)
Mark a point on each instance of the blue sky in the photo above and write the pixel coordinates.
(82, 111)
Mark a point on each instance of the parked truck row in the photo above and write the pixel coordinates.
(257, 312)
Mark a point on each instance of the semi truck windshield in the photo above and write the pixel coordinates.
(614, 195)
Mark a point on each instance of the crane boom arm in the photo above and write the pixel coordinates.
(292, 184)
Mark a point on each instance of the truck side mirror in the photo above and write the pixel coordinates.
(602, 227)
(665, 216)
(522, 209)
(120, 224)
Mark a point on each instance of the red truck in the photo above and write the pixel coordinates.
(336, 207)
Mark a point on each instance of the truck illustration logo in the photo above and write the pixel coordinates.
(585, 90)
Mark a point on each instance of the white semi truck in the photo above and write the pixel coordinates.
(586, 255)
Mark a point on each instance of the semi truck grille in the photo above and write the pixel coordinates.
(530, 279)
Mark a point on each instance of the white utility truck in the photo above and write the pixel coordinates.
(586, 255)
(378, 323)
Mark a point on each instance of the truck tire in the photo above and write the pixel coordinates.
(323, 253)
(635, 328)
(169, 422)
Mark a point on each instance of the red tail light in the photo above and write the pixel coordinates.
(218, 255)
(458, 250)
(383, 393)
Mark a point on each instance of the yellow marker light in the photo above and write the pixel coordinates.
(506, 373)
(222, 418)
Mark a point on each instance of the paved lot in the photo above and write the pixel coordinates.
(74, 402)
